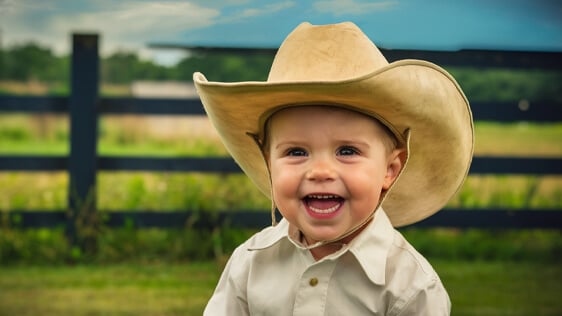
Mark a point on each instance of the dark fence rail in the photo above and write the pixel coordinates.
(543, 111)
(480, 165)
(84, 107)
(453, 218)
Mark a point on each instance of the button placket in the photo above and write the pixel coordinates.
(313, 289)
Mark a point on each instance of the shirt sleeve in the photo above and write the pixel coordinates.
(229, 298)
(432, 300)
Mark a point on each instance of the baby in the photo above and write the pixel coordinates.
(347, 146)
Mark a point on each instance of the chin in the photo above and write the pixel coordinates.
(322, 236)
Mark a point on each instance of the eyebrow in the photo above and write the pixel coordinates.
(355, 143)
(289, 143)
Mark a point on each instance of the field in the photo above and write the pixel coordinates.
(173, 272)
(193, 136)
(475, 288)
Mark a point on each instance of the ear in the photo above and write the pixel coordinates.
(396, 161)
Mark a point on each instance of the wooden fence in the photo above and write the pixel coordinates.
(84, 106)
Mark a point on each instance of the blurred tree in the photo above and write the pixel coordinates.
(32, 62)
(509, 84)
(118, 68)
(126, 67)
(225, 67)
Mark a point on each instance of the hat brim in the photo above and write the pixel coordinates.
(409, 96)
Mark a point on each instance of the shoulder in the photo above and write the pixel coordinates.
(244, 272)
(255, 248)
(412, 278)
(403, 257)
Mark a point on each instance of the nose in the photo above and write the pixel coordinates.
(321, 169)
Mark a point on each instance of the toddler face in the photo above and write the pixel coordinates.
(328, 167)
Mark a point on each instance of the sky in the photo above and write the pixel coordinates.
(131, 25)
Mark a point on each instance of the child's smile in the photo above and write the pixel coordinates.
(328, 168)
(323, 206)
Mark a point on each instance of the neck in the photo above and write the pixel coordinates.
(319, 253)
(329, 248)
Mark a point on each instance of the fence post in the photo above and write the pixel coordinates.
(82, 162)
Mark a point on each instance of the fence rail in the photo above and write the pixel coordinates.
(449, 218)
(84, 106)
(540, 112)
(480, 165)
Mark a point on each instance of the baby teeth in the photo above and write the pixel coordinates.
(331, 209)
(322, 196)
(326, 211)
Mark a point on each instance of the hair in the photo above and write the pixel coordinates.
(389, 139)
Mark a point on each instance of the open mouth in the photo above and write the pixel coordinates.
(323, 203)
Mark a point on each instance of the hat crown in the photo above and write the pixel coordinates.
(325, 53)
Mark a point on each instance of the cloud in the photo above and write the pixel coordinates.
(255, 11)
(7, 6)
(20, 21)
(268, 9)
(126, 24)
(344, 7)
(137, 23)
(122, 25)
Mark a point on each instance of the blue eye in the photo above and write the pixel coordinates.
(347, 151)
(296, 152)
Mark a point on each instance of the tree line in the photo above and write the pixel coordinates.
(31, 61)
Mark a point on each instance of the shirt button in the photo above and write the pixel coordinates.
(313, 282)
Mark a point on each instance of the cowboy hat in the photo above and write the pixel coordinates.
(338, 65)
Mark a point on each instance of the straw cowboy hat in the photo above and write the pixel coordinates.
(338, 65)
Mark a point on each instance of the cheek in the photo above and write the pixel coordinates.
(285, 193)
(283, 180)
(365, 184)
(365, 199)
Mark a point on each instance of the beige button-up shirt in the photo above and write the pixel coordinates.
(378, 273)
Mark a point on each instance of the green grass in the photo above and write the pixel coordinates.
(130, 289)
(502, 288)
(476, 288)
(116, 245)
(518, 139)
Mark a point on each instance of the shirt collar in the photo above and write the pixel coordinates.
(370, 247)
(269, 236)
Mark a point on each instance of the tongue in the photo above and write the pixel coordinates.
(322, 204)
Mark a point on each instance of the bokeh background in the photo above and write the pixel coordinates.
(158, 271)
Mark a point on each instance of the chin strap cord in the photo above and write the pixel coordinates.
(259, 143)
(273, 218)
